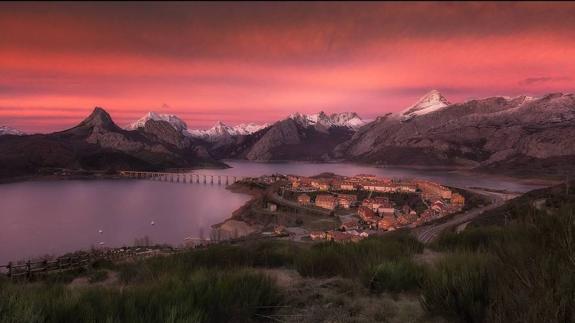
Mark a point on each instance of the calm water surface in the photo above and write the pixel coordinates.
(39, 218)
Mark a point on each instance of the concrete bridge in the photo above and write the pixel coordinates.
(189, 178)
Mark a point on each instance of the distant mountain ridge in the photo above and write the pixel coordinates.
(345, 119)
(219, 131)
(289, 139)
(222, 131)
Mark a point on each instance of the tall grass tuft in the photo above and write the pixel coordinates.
(393, 276)
(471, 239)
(201, 296)
(330, 259)
(458, 287)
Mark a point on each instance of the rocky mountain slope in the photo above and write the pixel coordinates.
(97, 143)
(300, 137)
(497, 133)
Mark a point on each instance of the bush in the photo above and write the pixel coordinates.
(534, 279)
(470, 239)
(273, 253)
(393, 276)
(330, 259)
(458, 287)
(97, 276)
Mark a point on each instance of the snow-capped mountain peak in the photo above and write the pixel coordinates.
(173, 120)
(344, 119)
(5, 130)
(249, 128)
(430, 102)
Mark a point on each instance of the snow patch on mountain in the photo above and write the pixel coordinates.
(5, 130)
(173, 120)
(344, 119)
(431, 102)
(221, 130)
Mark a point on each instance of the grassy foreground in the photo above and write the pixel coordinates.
(221, 283)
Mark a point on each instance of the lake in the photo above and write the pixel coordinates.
(53, 217)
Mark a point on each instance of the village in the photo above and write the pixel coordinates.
(370, 205)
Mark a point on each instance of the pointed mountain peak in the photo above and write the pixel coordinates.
(173, 120)
(99, 118)
(432, 101)
(220, 124)
(433, 96)
(152, 115)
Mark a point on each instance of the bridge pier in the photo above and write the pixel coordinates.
(186, 178)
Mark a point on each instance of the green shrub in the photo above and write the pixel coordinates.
(330, 259)
(458, 287)
(202, 296)
(393, 276)
(534, 279)
(470, 239)
(97, 276)
(273, 253)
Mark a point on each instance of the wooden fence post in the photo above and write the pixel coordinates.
(28, 269)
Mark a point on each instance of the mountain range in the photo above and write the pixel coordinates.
(514, 135)
(97, 143)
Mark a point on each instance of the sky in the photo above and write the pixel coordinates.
(260, 62)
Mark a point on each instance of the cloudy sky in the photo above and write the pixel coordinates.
(240, 62)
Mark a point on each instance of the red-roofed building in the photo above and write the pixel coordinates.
(304, 199)
(387, 223)
(350, 225)
(326, 201)
(346, 200)
(366, 214)
(317, 235)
